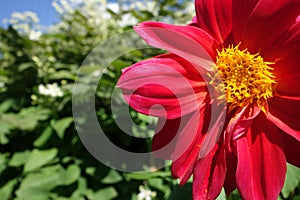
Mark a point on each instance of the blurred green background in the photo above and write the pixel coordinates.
(41, 155)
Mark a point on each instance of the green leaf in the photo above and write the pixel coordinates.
(7, 189)
(106, 194)
(19, 158)
(5, 105)
(222, 195)
(44, 137)
(90, 171)
(27, 119)
(62, 74)
(22, 67)
(3, 162)
(70, 175)
(120, 64)
(39, 184)
(4, 131)
(158, 185)
(82, 187)
(112, 177)
(61, 125)
(31, 116)
(39, 158)
(148, 175)
(291, 181)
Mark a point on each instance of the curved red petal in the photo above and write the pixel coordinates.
(190, 141)
(240, 17)
(170, 82)
(268, 20)
(214, 129)
(183, 166)
(287, 73)
(188, 42)
(239, 124)
(284, 113)
(215, 17)
(174, 136)
(261, 164)
(288, 43)
(209, 175)
(289, 85)
(230, 179)
(286, 68)
(291, 149)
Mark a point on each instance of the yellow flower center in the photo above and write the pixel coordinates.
(245, 77)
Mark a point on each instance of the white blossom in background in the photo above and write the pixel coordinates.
(189, 9)
(127, 20)
(25, 23)
(145, 194)
(96, 11)
(93, 10)
(34, 35)
(62, 6)
(50, 90)
(151, 6)
(98, 16)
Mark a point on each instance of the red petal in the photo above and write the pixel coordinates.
(209, 175)
(287, 73)
(268, 20)
(215, 17)
(188, 42)
(291, 149)
(216, 125)
(211, 125)
(179, 140)
(183, 163)
(230, 180)
(284, 114)
(166, 131)
(240, 123)
(155, 82)
(289, 86)
(288, 43)
(261, 162)
(287, 68)
(240, 17)
(174, 136)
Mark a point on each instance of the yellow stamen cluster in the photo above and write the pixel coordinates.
(245, 77)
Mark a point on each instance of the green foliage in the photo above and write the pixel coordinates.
(291, 182)
(41, 155)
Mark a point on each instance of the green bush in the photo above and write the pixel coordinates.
(41, 155)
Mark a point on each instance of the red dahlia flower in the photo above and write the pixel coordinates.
(243, 54)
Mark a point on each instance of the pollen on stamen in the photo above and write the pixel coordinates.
(245, 78)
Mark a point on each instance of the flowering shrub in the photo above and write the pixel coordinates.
(42, 156)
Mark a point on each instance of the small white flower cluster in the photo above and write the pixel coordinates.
(2, 84)
(63, 6)
(25, 23)
(151, 6)
(145, 194)
(50, 90)
(127, 18)
(95, 11)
